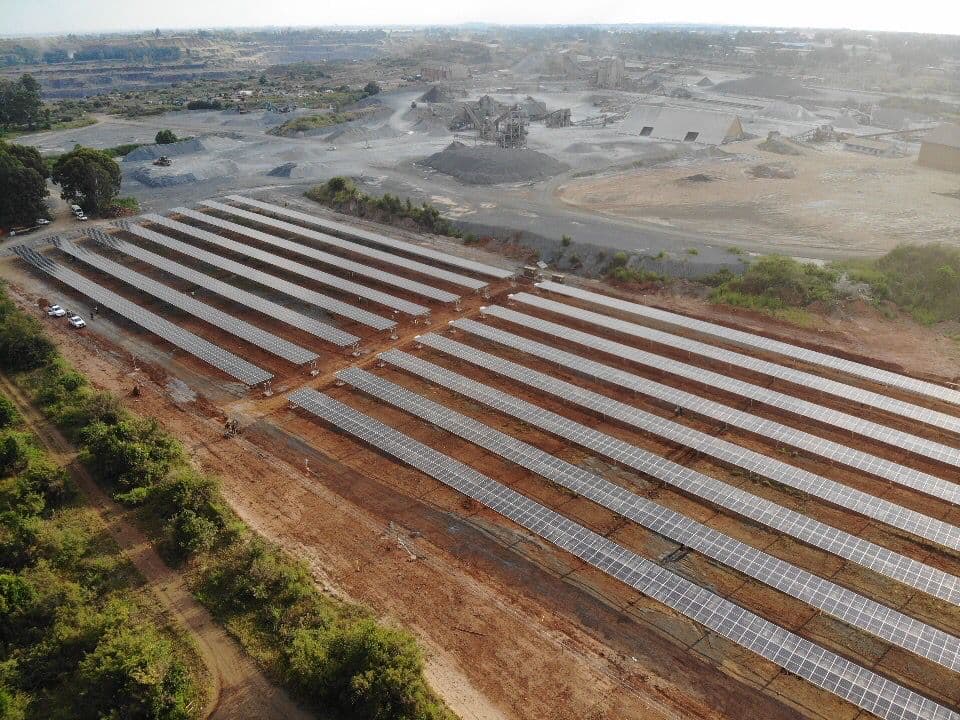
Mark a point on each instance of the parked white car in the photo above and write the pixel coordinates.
(42, 221)
(76, 321)
(56, 311)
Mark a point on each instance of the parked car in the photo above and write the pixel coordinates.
(42, 221)
(56, 311)
(76, 321)
(82, 218)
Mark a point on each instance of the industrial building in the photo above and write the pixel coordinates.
(686, 125)
(940, 148)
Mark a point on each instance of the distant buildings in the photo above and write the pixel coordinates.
(940, 148)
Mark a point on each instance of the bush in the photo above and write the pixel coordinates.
(776, 282)
(165, 137)
(23, 344)
(129, 454)
(369, 671)
(8, 413)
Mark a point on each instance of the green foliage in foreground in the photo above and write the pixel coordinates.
(342, 194)
(331, 654)
(23, 185)
(78, 639)
(775, 282)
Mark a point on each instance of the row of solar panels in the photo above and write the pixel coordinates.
(923, 526)
(216, 356)
(856, 610)
(790, 436)
(896, 566)
(860, 686)
(760, 342)
(764, 367)
(248, 332)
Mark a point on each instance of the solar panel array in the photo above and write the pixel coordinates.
(833, 492)
(224, 321)
(229, 363)
(885, 562)
(894, 472)
(760, 342)
(375, 238)
(798, 377)
(858, 611)
(324, 278)
(825, 669)
(355, 248)
(350, 266)
(231, 292)
(273, 282)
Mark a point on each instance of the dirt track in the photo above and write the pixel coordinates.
(237, 689)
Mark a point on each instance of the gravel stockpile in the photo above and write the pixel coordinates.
(489, 164)
(152, 152)
(771, 86)
(282, 170)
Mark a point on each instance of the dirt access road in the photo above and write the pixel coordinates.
(238, 689)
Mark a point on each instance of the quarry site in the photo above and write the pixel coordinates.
(587, 497)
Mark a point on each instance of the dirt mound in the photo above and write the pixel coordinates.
(152, 152)
(772, 86)
(773, 171)
(282, 170)
(779, 145)
(489, 164)
(438, 94)
(780, 110)
(698, 178)
(152, 179)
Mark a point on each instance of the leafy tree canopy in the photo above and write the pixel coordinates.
(90, 178)
(23, 185)
(165, 137)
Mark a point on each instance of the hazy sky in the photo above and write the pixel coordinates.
(60, 16)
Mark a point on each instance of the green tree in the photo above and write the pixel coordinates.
(20, 102)
(8, 412)
(371, 88)
(165, 137)
(132, 453)
(23, 185)
(87, 177)
(134, 673)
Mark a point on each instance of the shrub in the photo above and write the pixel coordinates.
(775, 282)
(129, 454)
(566, 240)
(8, 413)
(165, 137)
(23, 345)
(369, 671)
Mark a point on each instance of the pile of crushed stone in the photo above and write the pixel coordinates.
(438, 94)
(779, 145)
(152, 152)
(771, 86)
(774, 171)
(490, 165)
(282, 170)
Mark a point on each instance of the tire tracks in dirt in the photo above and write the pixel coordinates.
(238, 688)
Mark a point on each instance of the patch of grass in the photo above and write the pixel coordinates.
(923, 280)
(775, 282)
(72, 124)
(123, 150)
(306, 123)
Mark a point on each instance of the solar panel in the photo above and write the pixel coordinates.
(747, 339)
(334, 281)
(251, 333)
(271, 281)
(821, 667)
(798, 377)
(355, 248)
(235, 294)
(875, 508)
(856, 610)
(375, 238)
(787, 522)
(349, 266)
(894, 472)
(221, 359)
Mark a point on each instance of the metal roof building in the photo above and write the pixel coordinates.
(940, 148)
(684, 125)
